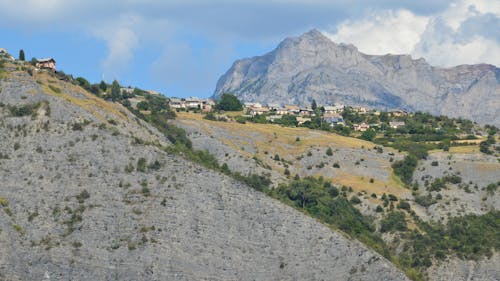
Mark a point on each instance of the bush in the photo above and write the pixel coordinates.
(405, 168)
(404, 205)
(336, 165)
(24, 110)
(355, 200)
(84, 195)
(141, 165)
(394, 221)
(424, 201)
(434, 163)
(329, 151)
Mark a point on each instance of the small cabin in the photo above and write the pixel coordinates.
(48, 63)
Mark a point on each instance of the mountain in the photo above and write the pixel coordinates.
(311, 66)
(89, 192)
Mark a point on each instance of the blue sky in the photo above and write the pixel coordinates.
(181, 48)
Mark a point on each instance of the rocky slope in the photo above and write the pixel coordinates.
(83, 199)
(250, 148)
(311, 67)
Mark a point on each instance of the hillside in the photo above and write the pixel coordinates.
(90, 192)
(363, 170)
(312, 67)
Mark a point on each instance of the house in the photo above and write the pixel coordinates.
(330, 110)
(193, 102)
(48, 63)
(207, 105)
(334, 120)
(396, 124)
(258, 110)
(153, 92)
(135, 101)
(273, 118)
(361, 127)
(288, 109)
(177, 103)
(398, 113)
(301, 120)
(128, 90)
(359, 109)
(306, 111)
(273, 106)
(4, 54)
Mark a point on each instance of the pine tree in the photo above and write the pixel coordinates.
(314, 105)
(115, 91)
(21, 55)
(103, 86)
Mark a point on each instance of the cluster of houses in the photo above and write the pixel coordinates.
(205, 105)
(331, 114)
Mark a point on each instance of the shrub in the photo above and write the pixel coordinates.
(329, 151)
(83, 196)
(55, 89)
(141, 165)
(424, 201)
(4, 202)
(393, 197)
(336, 165)
(24, 110)
(355, 200)
(394, 221)
(404, 205)
(434, 163)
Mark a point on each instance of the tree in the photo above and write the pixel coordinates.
(115, 91)
(369, 135)
(314, 105)
(103, 86)
(229, 102)
(21, 55)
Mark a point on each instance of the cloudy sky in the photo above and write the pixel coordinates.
(181, 48)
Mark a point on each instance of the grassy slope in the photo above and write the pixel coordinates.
(275, 139)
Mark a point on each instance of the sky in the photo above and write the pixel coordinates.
(181, 48)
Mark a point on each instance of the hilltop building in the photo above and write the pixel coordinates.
(47, 63)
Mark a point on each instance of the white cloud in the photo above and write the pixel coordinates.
(383, 32)
(121, 40)
(467, 32)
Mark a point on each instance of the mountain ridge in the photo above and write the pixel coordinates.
(312, 66)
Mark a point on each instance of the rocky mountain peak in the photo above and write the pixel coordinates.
(311, 66)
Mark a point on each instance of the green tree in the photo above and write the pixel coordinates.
(21, 55)
(369, 135)
(103, 86)
(314, 105)
(229, 102)
(115, 91)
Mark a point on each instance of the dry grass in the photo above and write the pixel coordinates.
(91, 103)
(269, 140)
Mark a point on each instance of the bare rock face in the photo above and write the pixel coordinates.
(311, 67)
(455, 269)
(77, 204)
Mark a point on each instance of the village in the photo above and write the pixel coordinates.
(329, 114)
